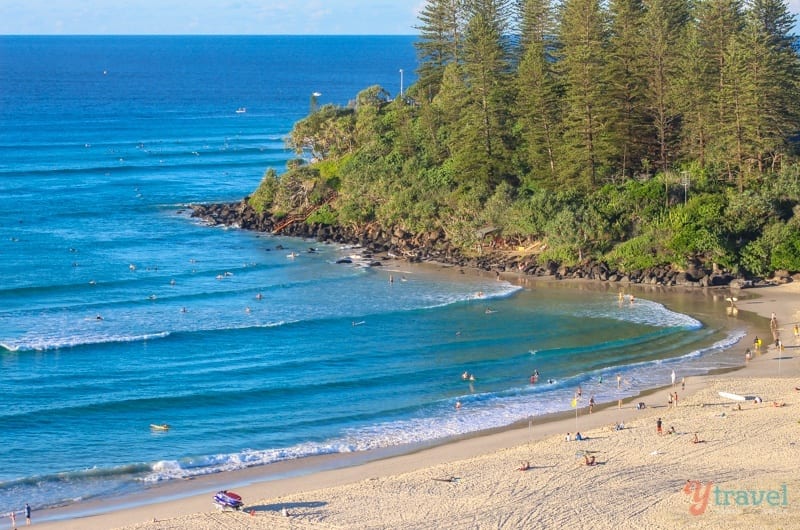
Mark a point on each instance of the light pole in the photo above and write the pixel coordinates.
(685, 181)
(314, 97)
(401, 83)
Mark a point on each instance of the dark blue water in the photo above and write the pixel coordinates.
(103, 142)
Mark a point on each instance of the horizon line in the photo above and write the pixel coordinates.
(209, 35)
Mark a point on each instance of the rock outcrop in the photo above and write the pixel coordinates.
(434, 246)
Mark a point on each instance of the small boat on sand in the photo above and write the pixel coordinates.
(731, 396)
(228, 500)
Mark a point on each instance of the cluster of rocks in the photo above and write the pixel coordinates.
(434, 247)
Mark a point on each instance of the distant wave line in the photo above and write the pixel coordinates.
(146, 284)
(66, 342)
(152, 144)
(72, 342)
(129, 168)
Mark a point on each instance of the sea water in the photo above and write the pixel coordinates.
(118, 310)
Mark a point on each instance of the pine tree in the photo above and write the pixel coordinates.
(537, 22)
(538, 95)
(663, 34)
(720, 21)
(771, 69)
(589, 145)
(627, 83)
(695, 85)
(439, 43)
(485, 151)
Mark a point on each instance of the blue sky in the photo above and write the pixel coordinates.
(238, 17)
(209, 17)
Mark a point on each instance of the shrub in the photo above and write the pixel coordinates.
(261, 200)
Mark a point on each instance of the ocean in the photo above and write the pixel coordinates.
(118, 310)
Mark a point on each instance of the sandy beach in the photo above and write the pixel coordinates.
(741, 475)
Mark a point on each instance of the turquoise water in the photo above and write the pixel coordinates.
(103, 143)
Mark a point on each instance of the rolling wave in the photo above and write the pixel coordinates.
(73, 342)
(54, 343)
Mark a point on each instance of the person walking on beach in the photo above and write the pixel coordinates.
(27, 514)
(591, 404)
(13, 516)
(658, 426)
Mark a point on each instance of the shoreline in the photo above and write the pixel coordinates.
(186, 498)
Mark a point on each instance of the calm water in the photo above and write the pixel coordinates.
(103, 141)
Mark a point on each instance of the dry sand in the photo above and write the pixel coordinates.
(748, 459)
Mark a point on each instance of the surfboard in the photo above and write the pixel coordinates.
(735, 397)
(161, 427)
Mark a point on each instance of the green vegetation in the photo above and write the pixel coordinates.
(639, 133)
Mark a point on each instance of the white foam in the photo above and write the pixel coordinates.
(643, 311)
(48, 343)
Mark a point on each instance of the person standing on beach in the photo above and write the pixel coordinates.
(683, 384)
(591, 404)
(13, 516)
(27, 514)
(658, 426)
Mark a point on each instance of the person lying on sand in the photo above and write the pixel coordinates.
(778, 403)
(589, 460)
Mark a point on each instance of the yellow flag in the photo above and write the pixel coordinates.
(574, 402)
